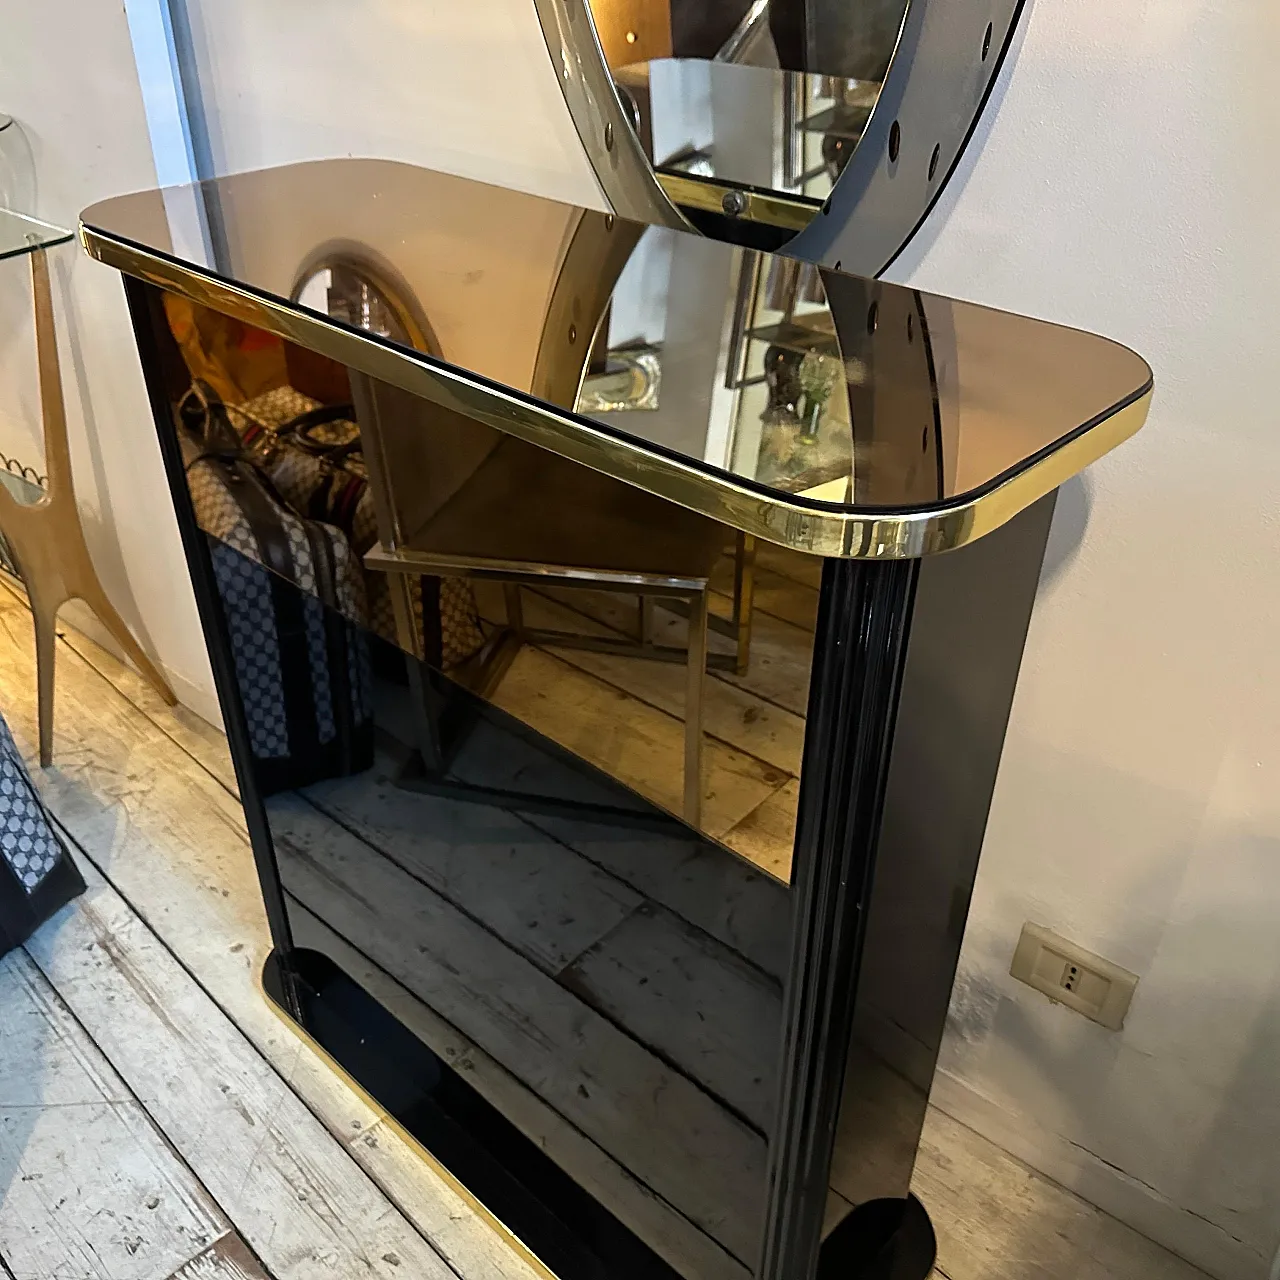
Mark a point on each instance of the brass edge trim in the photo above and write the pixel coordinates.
(478, 1207)
(621, 167)
(814, 531)
(690, 191)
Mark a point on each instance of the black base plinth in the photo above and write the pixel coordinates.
(567, 1229)
(881, 1240)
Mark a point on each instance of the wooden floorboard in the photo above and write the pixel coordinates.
(731, 714)
(693, 1002)
(89, 1186)
(630, 740)
(727, 897)
(781, 652)
(228, 1259)
(999, 1220)
(181, 855)
(176, 847)
(637, 1206)
(545, 901)
(294, 1194)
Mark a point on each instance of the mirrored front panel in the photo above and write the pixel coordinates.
(475, 779)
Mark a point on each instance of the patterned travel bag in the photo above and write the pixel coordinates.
(313, 456)
(37, 876)
(293, 597)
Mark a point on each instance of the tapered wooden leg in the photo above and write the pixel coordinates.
(693, 709)
(744, 590)
(97, 600)
(45, 620)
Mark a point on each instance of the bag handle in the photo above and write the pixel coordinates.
(205, 418)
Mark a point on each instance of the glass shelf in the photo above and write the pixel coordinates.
(20, 233)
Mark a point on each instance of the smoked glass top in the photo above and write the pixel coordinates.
(20, 233)
(709, 373)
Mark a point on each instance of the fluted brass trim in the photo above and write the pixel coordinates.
(812, 528)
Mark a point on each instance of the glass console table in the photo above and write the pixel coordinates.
(45, 536)
(649, 1046)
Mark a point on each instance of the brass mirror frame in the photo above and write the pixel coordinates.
(946, 58)
(604, 126)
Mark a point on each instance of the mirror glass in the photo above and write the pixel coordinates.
(769, 97)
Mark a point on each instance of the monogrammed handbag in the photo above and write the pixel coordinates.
(37, 877)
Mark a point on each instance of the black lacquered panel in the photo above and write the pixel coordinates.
(598, 991)
(575, 997)
(564, 303)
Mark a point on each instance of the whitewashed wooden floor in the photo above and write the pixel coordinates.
(158, 1122)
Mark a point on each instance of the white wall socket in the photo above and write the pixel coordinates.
(1073, 976)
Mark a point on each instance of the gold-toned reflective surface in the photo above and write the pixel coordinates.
(714, 128)
(913, 424)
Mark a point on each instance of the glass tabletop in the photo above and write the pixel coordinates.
(20, 233)
(832, 392)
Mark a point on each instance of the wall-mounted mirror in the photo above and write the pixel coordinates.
(829, 126)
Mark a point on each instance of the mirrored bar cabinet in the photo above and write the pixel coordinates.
(616, 632)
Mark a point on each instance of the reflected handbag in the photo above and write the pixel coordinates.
(37, 876)
(293, 598)
(313, 456)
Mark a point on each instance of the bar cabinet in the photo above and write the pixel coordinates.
(640, 910)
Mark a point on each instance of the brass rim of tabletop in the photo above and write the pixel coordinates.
(802, 526)
(791, 213)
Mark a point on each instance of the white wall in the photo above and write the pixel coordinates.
(67, 76)
(1127, 183)
(465, 88)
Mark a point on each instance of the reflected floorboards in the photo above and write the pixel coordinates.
(625, 714)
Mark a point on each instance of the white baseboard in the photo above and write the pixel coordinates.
(77, 615)
(204, 702)
(1125, 1198)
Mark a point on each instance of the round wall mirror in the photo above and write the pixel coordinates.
(828, 126)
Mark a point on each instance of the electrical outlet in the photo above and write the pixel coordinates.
(1073, 976)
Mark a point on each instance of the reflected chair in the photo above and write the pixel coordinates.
(525, 517)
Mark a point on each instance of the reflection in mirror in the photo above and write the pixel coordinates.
(708, 127)
(768, 97)
(360, 294)
(481, 812)
(676, 663)
(525, 741)
(745, 119)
